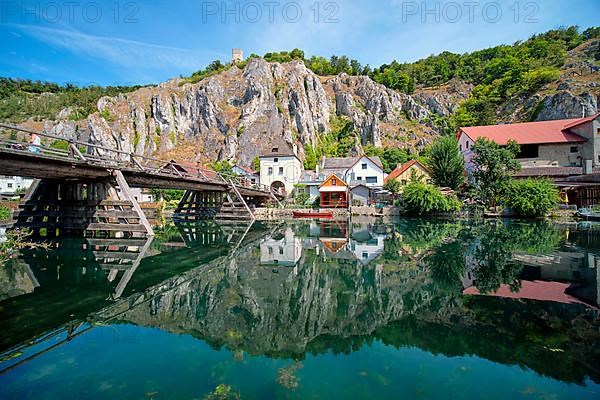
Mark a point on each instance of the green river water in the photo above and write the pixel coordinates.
(360, 309)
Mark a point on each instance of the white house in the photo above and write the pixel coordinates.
(281, 170)
(365, 170)
(11, 185)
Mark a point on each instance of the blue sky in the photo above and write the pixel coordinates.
(135, 42)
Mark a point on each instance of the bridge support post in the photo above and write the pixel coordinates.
(92, 208)
(199, 205)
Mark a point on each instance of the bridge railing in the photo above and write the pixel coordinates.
(74, 150)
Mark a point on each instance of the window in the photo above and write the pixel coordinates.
(9, 185)
(574, 149)
(460, 147)
(270, 250)
(281, 250)
(270, 170)
(276, 159)
(364, 165)
(529, 151)
(371, 179)
(467, 144)
(359, 178)
(334, 182)
(404, 182)
(280, 170)
(365, 255)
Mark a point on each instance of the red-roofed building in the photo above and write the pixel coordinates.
(561, 143)
(411, 170)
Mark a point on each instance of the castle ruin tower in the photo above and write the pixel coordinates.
(237, 55)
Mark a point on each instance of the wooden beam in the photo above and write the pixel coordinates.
(126, 191)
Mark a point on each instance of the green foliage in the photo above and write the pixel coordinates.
(107, 115)
(392, 156)
(14, 241)
(531, 198)
(336, 143)
(222, 392)
(222, 167)
(301, 198)
(167, 194)
(256, 164)
(212, 69)
(240, 130)
(21, 99)
(420, 198)
(446, 163)
(4, 213)
(59, 145)
(393, 186)
(493, 167)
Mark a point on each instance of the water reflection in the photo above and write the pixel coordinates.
(515, 293)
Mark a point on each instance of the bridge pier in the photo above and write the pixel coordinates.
(93, 208)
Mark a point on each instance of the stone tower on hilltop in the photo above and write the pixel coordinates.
(237, 55)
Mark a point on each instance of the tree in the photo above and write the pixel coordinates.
(391, 157)
(394, 187)
(493, 167)
(420, 198)
(222, 167)
(446, 163)
(256, 163)
(531, 198)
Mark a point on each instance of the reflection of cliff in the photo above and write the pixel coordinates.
(263, 312)
(16, 279)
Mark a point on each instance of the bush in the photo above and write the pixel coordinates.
(4, 213)
(420, 198)
(531, 198)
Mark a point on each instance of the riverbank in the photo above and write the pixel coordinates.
(269, 214)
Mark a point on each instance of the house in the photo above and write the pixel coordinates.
(557, 143)
(190, 169)
(280, 170)
(13, 185)
(410, 171)
(142, 195)
(360, 195)
(363, 169)
(248, 173)
(334, 192)
(309, 184)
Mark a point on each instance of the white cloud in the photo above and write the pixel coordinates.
(118, 51)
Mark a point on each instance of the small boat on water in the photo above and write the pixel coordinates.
(313, 214)
(588, 214)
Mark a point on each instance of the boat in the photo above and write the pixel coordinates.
(588, 214)
(313, 214)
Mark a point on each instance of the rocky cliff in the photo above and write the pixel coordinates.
(239, 113)
(242, 112)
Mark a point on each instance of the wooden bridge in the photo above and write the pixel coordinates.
(85, 188)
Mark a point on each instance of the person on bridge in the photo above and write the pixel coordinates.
(34, 143)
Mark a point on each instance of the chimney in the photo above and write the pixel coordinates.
(317, 169)
(399, 165)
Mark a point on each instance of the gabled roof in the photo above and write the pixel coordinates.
(555, 131)
(403, 168)
(246, 169)
(343, 186)
(348, 162)
(582, 121)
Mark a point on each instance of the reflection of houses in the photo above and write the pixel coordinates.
(11, 185)
(281, 170)
(334, 193)
(285, 250)
(410, 171)
(366, 244)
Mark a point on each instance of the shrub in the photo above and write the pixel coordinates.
(420, 198)
(531, 198)
(4, 213)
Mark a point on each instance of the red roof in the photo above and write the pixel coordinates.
(402, 168)
(555, 131)
(583, 120)
(533, 290)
